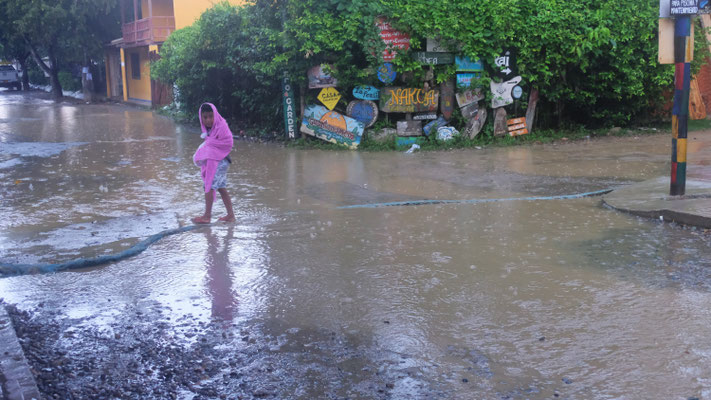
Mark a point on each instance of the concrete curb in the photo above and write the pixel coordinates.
(650, 199)
(16, 379)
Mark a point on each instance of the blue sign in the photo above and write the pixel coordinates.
(517, 92)
(465, 80)
(465, 64)
(366, 93)
(364, 111)
(434, 125)
(386, 73)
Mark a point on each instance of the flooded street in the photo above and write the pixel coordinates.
(304, 299)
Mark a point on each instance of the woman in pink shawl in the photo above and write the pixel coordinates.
(213, 159)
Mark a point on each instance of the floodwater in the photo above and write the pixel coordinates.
(498, 300)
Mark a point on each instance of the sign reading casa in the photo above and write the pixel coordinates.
(329, 97)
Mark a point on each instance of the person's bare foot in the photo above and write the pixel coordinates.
(227, 218)
(201, 220)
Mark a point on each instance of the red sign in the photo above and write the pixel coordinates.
(392, 38)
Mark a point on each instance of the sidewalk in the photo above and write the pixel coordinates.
(16, 379)
(651, 199)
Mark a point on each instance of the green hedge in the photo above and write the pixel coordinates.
(594, 62)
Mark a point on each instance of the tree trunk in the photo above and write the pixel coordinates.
(25, 76)
(52, 71)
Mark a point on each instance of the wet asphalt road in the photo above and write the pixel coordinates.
(301, 299)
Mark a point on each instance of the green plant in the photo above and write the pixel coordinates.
(69, 82)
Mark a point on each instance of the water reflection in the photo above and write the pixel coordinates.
(219, 275)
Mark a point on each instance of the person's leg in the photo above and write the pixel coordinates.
(205, 218)
(230, 217)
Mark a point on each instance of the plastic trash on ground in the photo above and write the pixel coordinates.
(413, 149)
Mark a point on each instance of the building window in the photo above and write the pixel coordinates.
(135, 66)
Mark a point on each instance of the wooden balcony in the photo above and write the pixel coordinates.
(147, 31)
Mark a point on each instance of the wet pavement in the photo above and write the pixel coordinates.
(301, 299)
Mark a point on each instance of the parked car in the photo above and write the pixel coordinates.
(9, 77)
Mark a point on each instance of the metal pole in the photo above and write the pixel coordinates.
(680, 114)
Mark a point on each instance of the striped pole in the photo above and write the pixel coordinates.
(683, 53)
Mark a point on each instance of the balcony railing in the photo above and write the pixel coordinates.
(148, 31)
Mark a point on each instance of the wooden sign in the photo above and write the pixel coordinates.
(470, 111)
(506, 65)
(466, 64)
(465, 80)
(432, 58)
(289, 113)
(469, 97)
(408, 100)
(476, 124)
(364, 111)
(424, 116)
(684, 7)
(332, 126)
(318, 78)
(516, 126)
(366, 93)
(409, 128)
(433, 125)
(502, 92)
(386, 73)
(329, 97)
(446, 104)
(439, 46)
(392, 38)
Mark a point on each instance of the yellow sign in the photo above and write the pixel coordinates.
(329, 97)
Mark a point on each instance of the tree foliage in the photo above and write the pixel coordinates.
(60, 30)
(594, 62)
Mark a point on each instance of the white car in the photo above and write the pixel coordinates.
(9, 77)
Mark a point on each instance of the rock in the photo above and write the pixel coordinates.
(614, 131)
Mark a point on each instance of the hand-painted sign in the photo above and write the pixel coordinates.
(432, 58)
(386, 73)
(409, 128)
(424, 116)
(332, 126)
(393, 39)
(505, 65)
(289, 113)
(517, 126)
(517, 92)
(364, 111)
(446, 133)
(433, 125)
(466, 64)
(502, 92)
(465, 80)
(469, 97)
(475, 124)
(470, 111)
(684, 7)
(446, 103)
(366, 93)
(318, 78)
(408, 100)
(440, 46)
(329, 97)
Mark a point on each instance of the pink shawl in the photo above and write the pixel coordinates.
(217, 145)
